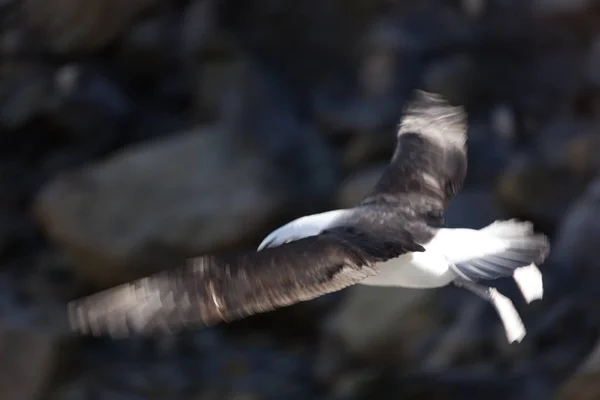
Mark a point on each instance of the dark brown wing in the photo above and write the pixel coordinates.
(211, 289)
(430, 162)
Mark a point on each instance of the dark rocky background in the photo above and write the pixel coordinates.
(136, 133)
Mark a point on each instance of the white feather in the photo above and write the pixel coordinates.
(530, 282)
(465, 244)
(432, 268)
(302, 227)
(421, 270)
(513, 325)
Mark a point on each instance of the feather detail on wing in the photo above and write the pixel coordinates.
(211, 289)
(429, 165)
(512, 245)
(426, 171)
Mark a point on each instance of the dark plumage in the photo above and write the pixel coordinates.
(216, 288)
(429, 164)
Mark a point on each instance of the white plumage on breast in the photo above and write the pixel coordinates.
(414, 270)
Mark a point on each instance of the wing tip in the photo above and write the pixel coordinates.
(432, 115)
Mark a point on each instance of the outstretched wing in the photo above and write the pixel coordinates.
(428, 168)
(211, 289)
(430, 163)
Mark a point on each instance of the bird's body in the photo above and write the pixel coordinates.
(421, 270)
(395, 237)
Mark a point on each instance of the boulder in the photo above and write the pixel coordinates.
(35, 346)
(153, 204)
(71, 26)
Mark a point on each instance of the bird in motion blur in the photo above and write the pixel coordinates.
(396, 236)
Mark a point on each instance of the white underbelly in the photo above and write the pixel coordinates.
(414, 270)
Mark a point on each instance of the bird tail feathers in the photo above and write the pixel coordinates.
(509, 248)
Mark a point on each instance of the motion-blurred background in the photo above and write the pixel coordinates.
(136, 133)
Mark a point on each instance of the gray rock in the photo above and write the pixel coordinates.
(578, 234)
(367, 101)
(51, 279)
(73, 390)
(35, 350)
(452, 77)
(145, 52)
(88, 105)
(473, 208)
(363, 150)
(354, 332)
(200, 30)
(540, 185)
(68, 26)
(155, 203)
(544, 8)
(357, 186)
(593, 63)
(24, 94)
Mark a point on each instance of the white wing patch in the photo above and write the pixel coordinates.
(302, 227)
(420, 270)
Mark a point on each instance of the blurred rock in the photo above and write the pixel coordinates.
(152, 204)
(201, 33)
(593, 63)
(74, 390)
(279, 126)
(51, 279)
(28, 363)
(473, 208)
(452, 77)
(70, 26)
(363, 150)
(583, 383)
(147, 51)
(544, 8)
(88, 105)
(489, 150)
(12, 31)
(367, 100)
(537, 193)
(357, 186)
(540, 184)
(24, 94)
(583, 156)
(562, 142)
(355, 337)
(218, 83)
(35, 350)
(578, 235)
(584, 387)
(15, 228)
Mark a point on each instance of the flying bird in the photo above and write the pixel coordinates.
(396, 236)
